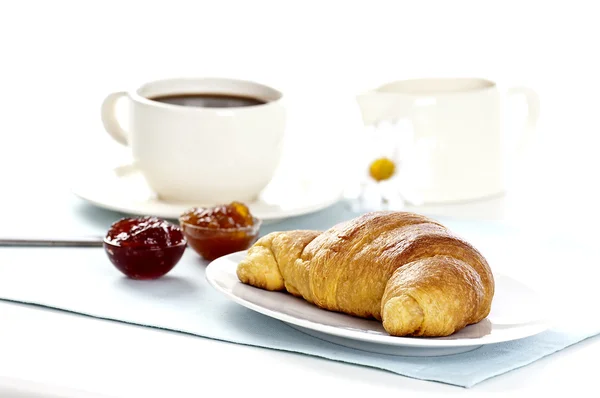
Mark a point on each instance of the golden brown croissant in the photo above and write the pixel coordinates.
(404, 269)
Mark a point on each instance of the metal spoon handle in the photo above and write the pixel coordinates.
(79, 241)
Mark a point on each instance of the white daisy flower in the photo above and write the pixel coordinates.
(394, 166)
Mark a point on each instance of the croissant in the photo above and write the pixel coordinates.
(403, 269)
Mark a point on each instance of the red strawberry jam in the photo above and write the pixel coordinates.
(144, 247)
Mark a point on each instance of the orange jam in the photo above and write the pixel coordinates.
(216, 231)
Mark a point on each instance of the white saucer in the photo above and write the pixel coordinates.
(517, 312)
(124, 189)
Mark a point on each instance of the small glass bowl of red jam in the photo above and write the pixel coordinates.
(144, 247)
(216, 231)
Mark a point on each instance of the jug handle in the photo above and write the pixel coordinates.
(533, 112)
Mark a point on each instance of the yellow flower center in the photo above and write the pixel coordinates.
(382, 169)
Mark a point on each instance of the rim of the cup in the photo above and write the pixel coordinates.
(151, 248)
(108, 242)
(484, 85)
(252, 228)
(136, 94)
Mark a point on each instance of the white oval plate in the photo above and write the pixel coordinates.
(124, 189)
(517, 312)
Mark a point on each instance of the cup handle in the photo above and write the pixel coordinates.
(533, 113)
(109, 119)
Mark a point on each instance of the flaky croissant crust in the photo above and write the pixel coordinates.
(401, 268)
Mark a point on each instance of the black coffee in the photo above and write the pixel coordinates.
(208, 100)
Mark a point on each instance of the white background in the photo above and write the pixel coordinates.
(58, 60)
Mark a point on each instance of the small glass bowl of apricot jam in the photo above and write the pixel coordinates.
(144, 247)
(216, 231)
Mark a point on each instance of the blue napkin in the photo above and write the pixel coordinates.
(184, 302)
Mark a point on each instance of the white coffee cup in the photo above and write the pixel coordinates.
(463, 119)
(201, 155)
